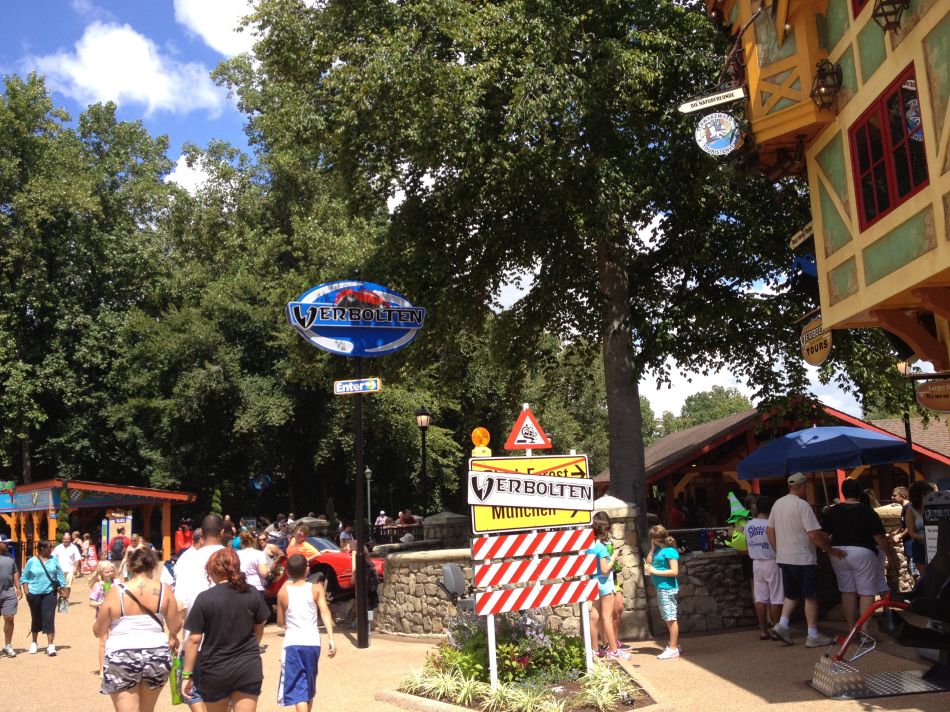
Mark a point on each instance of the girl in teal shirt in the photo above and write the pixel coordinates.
(663, 566)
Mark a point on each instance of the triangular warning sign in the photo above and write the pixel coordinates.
(527, 434)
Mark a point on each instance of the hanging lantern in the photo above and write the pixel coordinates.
(887, 13)
(826, 85)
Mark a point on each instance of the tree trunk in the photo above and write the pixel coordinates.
(627, 474)
(26, 461)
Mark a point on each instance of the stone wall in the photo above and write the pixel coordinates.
(715, 593)
(411, 602)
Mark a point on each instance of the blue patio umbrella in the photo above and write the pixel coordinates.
(823, 448)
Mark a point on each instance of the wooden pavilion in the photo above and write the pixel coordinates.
(698, 465)
(31, 507)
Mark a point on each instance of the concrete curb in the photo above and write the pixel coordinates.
(413, 702)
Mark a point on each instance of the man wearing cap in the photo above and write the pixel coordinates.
(794, 533)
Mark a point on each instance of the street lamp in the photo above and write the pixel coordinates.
(423, 420)
(369, 510)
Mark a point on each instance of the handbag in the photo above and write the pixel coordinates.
(57, 589)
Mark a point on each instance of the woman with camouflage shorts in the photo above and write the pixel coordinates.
(138, 653)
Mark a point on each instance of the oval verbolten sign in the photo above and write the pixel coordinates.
(934, 395)
(353, 318)
(816, 342)
(718, 134)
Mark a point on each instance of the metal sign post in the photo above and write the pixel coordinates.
(356, 319)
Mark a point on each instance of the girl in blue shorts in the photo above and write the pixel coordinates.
(602, 613)
(663, 566)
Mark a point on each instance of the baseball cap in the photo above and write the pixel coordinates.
(797, 479)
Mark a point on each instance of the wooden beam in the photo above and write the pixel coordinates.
(924, 344)
(166, 530)
(936, 299)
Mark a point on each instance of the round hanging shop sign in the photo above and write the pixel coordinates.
(934, 395)
(816, 342)
(718, 134)
(353, 318)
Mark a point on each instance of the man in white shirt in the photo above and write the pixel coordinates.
(68, 557)
(794, 533)
(191, 578)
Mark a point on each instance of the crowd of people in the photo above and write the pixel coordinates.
(203, 616)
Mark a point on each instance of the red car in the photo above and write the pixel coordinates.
(333, 566)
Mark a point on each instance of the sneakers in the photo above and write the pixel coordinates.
(818, 641)
(783, 633)
(33, 648)
(617, 655)
(9, 651)
(669, 654)
(51, 650)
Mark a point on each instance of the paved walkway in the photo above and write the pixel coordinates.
(728, 672)
(736, 671)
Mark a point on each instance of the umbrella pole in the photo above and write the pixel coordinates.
(824, 486)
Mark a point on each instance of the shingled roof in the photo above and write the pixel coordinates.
(933, 435)
(678, 445)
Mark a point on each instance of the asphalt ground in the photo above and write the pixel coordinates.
(726, 671)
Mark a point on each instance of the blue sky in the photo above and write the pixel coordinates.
(153, 58)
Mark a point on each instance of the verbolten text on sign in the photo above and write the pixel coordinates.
(490, 519)
(540, 491)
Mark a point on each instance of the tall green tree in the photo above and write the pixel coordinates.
(705, 406)
(538, 137)
(78, 249)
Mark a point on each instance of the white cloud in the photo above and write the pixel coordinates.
(216, 22)
(191, 178)
(115, 63)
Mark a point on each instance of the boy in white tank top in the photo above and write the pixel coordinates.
(297, 606)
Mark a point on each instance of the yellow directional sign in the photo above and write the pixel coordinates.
(488, 520)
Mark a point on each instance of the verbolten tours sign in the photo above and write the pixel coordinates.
(816, 342)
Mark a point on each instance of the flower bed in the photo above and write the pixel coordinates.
(538, 671)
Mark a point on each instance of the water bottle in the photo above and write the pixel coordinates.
(174, 679)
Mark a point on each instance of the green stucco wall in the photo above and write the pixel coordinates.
(835, 23)
(903, 244)
(871, 49)
(849, 77)
(831, 161)
(842, 281)
(834, 230)
(937, 57)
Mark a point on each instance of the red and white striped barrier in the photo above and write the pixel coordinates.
(509, 546)
(519, 599)
(525, 570)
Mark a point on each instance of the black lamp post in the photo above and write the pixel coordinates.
(887, 13)
(423, 419)
(904, 369)
(826, 85)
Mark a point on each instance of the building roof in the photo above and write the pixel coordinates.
(933, 435)
(676, 446)
(931, 440)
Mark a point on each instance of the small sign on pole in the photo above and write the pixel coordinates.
(704, 102)
(527, 434)
(357, 385)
